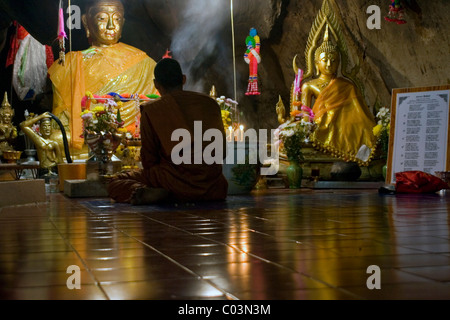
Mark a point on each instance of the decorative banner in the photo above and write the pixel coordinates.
(252, 58)
(396, 13)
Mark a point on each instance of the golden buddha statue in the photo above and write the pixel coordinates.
(107, 66)
(48, 150)
(344, 123)
(8, 132)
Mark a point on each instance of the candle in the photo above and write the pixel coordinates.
(230, 134)
(241, 137)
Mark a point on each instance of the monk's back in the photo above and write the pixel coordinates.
(160, 119)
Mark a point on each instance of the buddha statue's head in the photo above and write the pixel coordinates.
(103, 21)
(6, 112)
(327, 57)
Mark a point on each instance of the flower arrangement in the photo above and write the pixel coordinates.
(102, 126)
(381, 130)
(228, 109)
(293, 134)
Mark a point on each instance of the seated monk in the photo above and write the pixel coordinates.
(344, 122)
(161, 179)
(108, 66)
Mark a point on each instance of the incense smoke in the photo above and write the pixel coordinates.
(198, 43)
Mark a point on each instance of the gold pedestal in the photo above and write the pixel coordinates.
(323, 163)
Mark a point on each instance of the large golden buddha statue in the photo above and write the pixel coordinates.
(344, 123)
(107, 66)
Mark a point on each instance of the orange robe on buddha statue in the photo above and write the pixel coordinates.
(119, 68)
(344, 123)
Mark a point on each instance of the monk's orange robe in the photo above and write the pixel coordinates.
(188, 182)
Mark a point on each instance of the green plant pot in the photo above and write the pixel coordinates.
(242, 178)
(294, 174)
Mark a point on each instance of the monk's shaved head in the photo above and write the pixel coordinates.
(168, 73)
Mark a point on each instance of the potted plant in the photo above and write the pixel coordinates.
(291, 136)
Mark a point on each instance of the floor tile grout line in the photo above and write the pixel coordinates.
(256, 257)
(97, 283)
(224, 292)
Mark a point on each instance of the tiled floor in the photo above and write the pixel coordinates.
(277, 245)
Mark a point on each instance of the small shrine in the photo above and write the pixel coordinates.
(326, 94)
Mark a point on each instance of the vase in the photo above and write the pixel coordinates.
(102, 147)
(294, 174)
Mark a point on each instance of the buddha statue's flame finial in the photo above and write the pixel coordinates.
(6, 106)
(326, 36)
(213, 92)
(5, 103)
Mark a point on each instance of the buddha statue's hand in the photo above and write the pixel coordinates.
(46, 115)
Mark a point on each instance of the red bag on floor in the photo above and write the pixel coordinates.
(419, 182)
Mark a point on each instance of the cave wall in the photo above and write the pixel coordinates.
(199, 34)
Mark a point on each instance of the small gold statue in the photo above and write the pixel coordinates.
(344, 123)
(281, 111)
(213, 93)
(48, 150)
(8, 132)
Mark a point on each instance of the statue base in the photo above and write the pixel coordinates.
(319, 167)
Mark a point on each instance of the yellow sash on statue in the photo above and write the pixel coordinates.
(119, 68)
(344, 123)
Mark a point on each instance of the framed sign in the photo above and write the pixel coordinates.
(419, 136)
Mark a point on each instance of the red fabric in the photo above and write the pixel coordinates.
(15, 43)
(50, 57)
(419, 182)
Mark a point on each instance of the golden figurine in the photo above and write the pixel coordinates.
(107, 66)
(281, 111)
(48, 150)
(213, 93)
(344, 123)
(8, 132)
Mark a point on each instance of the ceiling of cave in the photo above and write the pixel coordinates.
(199, 34)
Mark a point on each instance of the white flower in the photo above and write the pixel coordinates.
(289, 133)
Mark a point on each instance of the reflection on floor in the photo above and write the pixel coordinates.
(277, 244)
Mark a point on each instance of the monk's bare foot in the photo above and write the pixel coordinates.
(144, 196)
